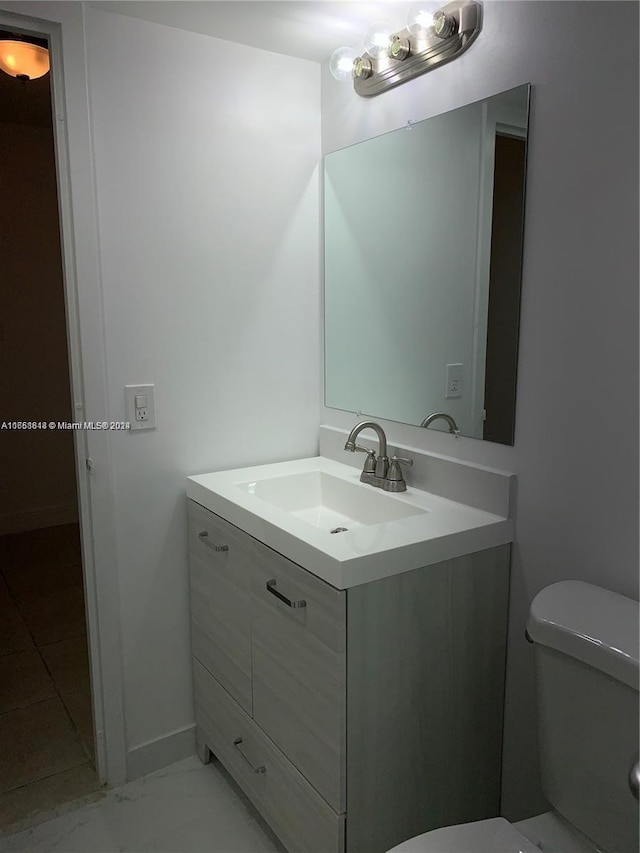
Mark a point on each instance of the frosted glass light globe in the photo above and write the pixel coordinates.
(342, 62)
(377, 39)
(23, 60)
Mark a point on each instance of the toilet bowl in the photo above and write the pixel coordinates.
(495, 835)
(546, 832)
(586, 646)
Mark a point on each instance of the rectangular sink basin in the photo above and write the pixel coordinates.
(329, 503)
(294, 506)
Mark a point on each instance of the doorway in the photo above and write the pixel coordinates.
(47, 743)
(504, 287)
(77, 208)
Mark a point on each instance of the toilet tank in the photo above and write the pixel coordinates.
(586, 648)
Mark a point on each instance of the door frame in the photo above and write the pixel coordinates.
(64, 27)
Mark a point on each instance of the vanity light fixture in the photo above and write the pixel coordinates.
(377, 39)
(420, 19)
(432, 37)
(24, 57)
(342, 63)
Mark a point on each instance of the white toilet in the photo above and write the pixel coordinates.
(586, 644)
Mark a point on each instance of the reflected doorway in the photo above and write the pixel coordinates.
(504, 288)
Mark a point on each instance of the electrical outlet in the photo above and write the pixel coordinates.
(453, 387)
(140, 406)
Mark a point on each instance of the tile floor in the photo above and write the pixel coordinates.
(186, 808)
(46, 726)
(50, 798)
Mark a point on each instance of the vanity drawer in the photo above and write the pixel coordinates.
(295, 811)
(220, 593)
(222, 722)
(299, 671)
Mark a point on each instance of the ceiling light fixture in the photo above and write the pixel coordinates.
(24, 57)
(432, 37)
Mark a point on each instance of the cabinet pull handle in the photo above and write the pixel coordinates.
(271, 587)
(634, 779)
(261, 769)
(204, 538)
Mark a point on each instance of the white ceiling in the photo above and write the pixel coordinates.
(308, 29)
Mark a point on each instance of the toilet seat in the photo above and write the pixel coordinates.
(495, 835)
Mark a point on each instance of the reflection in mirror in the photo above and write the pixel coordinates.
(423, 251)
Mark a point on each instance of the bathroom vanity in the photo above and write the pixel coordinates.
(359, 708)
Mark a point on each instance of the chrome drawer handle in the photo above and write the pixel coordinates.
(271, 587)
(204, 538)
(634, 780)
(261, 769)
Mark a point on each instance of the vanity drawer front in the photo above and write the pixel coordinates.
(222, 722)
(221, 601)
(299, 671)
(295, 811)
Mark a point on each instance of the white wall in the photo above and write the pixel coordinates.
(576, 437)
(206, 158)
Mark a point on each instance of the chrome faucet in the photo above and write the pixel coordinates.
(375, 467)
(453, 426)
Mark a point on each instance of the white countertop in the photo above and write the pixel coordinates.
(440, 530)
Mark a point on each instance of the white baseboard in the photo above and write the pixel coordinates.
(34, 519)
(158, 753)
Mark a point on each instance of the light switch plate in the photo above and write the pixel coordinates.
(140, 417)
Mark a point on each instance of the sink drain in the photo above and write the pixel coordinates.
(339, 530)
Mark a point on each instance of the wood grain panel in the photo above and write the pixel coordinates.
(426, 657)
(299, 675)
(294, 810)
(220, 721)
(220, 591)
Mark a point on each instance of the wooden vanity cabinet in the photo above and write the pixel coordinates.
(353, 719)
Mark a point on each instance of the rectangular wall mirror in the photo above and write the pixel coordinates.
(423, 258)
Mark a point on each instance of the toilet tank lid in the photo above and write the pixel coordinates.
(593, 625)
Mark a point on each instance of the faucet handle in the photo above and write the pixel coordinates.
(351, 446)
(369, 464)
(369, 467)
(394, 481)
(364, 450)
(403, 460)
(370, 461)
